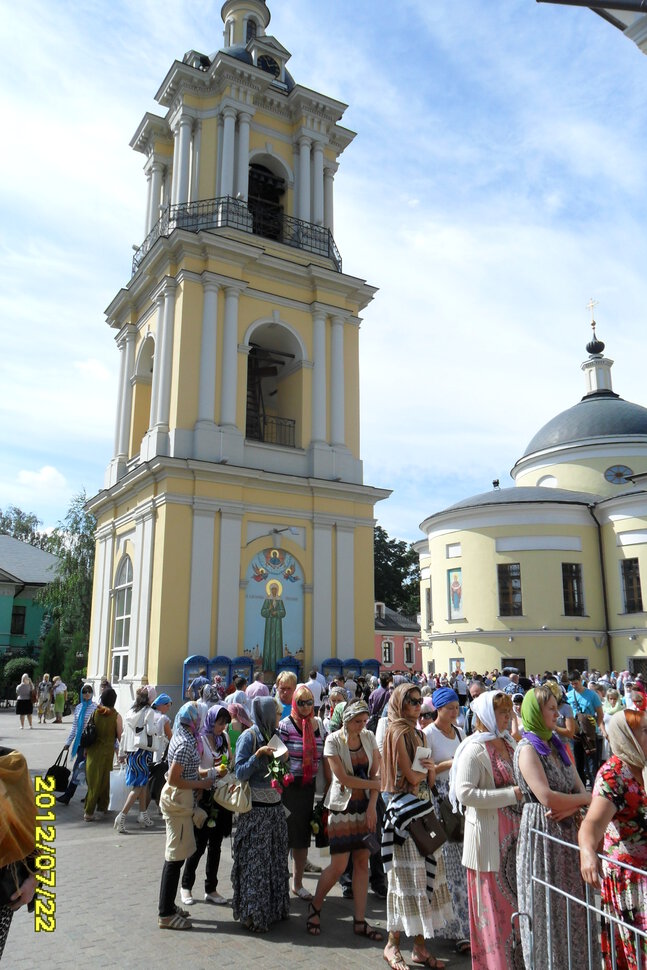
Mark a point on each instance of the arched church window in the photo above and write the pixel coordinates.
(123, 594)
(252, 30)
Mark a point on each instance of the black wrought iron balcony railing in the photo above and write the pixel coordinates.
(229, 213)
(272, 430)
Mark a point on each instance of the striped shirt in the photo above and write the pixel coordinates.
(293, 740)
(184, 750)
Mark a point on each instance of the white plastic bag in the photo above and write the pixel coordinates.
(118, 789)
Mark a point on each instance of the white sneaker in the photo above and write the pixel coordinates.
(120, 822)
(145, 820)
(215, 898)
(186, 897)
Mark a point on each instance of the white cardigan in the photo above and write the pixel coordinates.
(338, 795)
(475, 789)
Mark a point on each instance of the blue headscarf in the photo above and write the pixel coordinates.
(161, 699)
(80, 724)
(443, 696)
(189, 717)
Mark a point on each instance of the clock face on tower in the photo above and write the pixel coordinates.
(617, 474)
(268, 64)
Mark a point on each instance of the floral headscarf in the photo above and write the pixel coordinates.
(240, 713)
(189, 717)
(304, 723)
(212, 715)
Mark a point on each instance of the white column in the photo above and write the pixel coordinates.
(147, 225)
(195, 161)
(218, 191)
(166, 358)
(184, 150)
(329, 204)
(228, 143)
(126, 393)
(142, 589)
(319, 377)
(176, 164)
(304, 178)
(322, 606)
(228, 583)
(208, 354)
(201, 590)
(120, 394)
(345, 598)
(159, 302)
(229, 359)
(337, 416)
(318, 184)
(242, 179)
(157, 175)
(101, 613)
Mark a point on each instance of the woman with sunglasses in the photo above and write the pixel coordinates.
(444, 737)
(408, 903)
(302, 734)
(82, 714)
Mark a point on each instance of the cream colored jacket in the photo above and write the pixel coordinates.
(338, 795)
(476, 791)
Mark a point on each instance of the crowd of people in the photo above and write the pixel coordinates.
(460, 798)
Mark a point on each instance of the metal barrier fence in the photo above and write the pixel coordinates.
(549, 903)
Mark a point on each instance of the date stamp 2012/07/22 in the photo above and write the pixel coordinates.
(45, 858)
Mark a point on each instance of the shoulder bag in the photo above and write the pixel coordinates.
(234, 795)
(59, 772)
(89, 733)
(427, 833)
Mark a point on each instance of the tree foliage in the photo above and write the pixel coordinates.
(23, 526)
(397, 573)
(69, 597)
(52, 655)
(14, 669)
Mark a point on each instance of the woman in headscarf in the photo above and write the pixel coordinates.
(177, 803)
(60, 696)
(618, 813)
(351, 800)
(482, 780)
(82, 714)
(240, 721)
(101, 754)
(259, 876)
(17, 838)
(554, 793)
(301, 734)
(44, 699)
(136, 749)
(443, 737)
(408, 906)
(216, 753)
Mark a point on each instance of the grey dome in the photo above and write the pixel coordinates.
(600, 415)
(524, 494)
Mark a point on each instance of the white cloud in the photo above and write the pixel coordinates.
(45, 477)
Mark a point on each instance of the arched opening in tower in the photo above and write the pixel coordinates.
(265, 196)
(274, 387)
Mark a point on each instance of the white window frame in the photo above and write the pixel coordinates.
(123, 593)
(409, 645)
(387, 645)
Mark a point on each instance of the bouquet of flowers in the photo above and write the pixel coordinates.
(279, 772)
(319, 824)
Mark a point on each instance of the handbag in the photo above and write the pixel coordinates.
(427, 833)
(11, 879)
(452, 822)
(89, 733)
(144, 739)
(234, 795)
(59, 772)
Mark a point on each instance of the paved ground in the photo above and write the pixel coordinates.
(106, 901)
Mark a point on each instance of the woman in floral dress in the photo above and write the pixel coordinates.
(619, 813)
(482, 779)
(554, 794)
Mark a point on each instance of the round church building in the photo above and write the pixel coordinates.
(547, 574)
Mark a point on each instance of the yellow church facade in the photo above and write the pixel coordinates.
(547, 574)
(234, 518)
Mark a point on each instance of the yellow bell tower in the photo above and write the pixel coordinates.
(234, 518)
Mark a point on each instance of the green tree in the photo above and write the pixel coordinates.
(23, 526)
(68, 598)
(14, 669)
(52, 655)
(397, 573)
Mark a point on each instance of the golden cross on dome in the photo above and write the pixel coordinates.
(591, 305)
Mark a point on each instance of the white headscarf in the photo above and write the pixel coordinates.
(483, 707)
(624, 745)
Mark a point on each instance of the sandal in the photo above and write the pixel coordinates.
(463, 946)
(302, 893)
(429, 961)
(366, 930)
(174, 922)
(314, 929)
(397, 961)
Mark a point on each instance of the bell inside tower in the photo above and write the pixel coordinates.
(266, 192)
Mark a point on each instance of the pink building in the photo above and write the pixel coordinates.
(397, 640)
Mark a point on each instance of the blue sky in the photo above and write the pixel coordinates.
(495, 185)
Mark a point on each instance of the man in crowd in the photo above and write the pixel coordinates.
(586, 748)
(475, 689)
(257, 688)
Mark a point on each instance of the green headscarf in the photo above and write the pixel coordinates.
(336, 720)
(532, 718)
